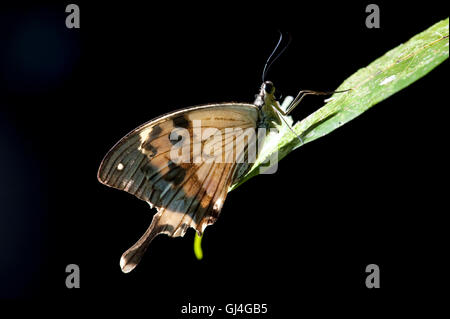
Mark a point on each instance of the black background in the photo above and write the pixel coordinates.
(297, 240)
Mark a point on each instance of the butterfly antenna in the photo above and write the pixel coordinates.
(270, 61)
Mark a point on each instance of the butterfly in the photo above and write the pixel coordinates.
(188, 193)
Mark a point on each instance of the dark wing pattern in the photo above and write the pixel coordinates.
(185, 194)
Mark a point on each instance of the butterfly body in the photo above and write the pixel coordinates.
(188, 190)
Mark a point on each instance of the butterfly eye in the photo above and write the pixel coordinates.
(268, 87)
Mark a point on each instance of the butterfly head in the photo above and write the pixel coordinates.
(266, 95)
(268, 87)
(265, 101)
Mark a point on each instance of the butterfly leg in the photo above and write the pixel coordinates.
(296, 102)
(304, 93)
(279, 109)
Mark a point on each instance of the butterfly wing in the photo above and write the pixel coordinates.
(185, 194)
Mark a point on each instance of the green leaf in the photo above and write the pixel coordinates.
(387, 75)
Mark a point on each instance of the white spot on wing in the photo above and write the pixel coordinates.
(387, 80)
(144, 134)
(218, 204)
(120, 167)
